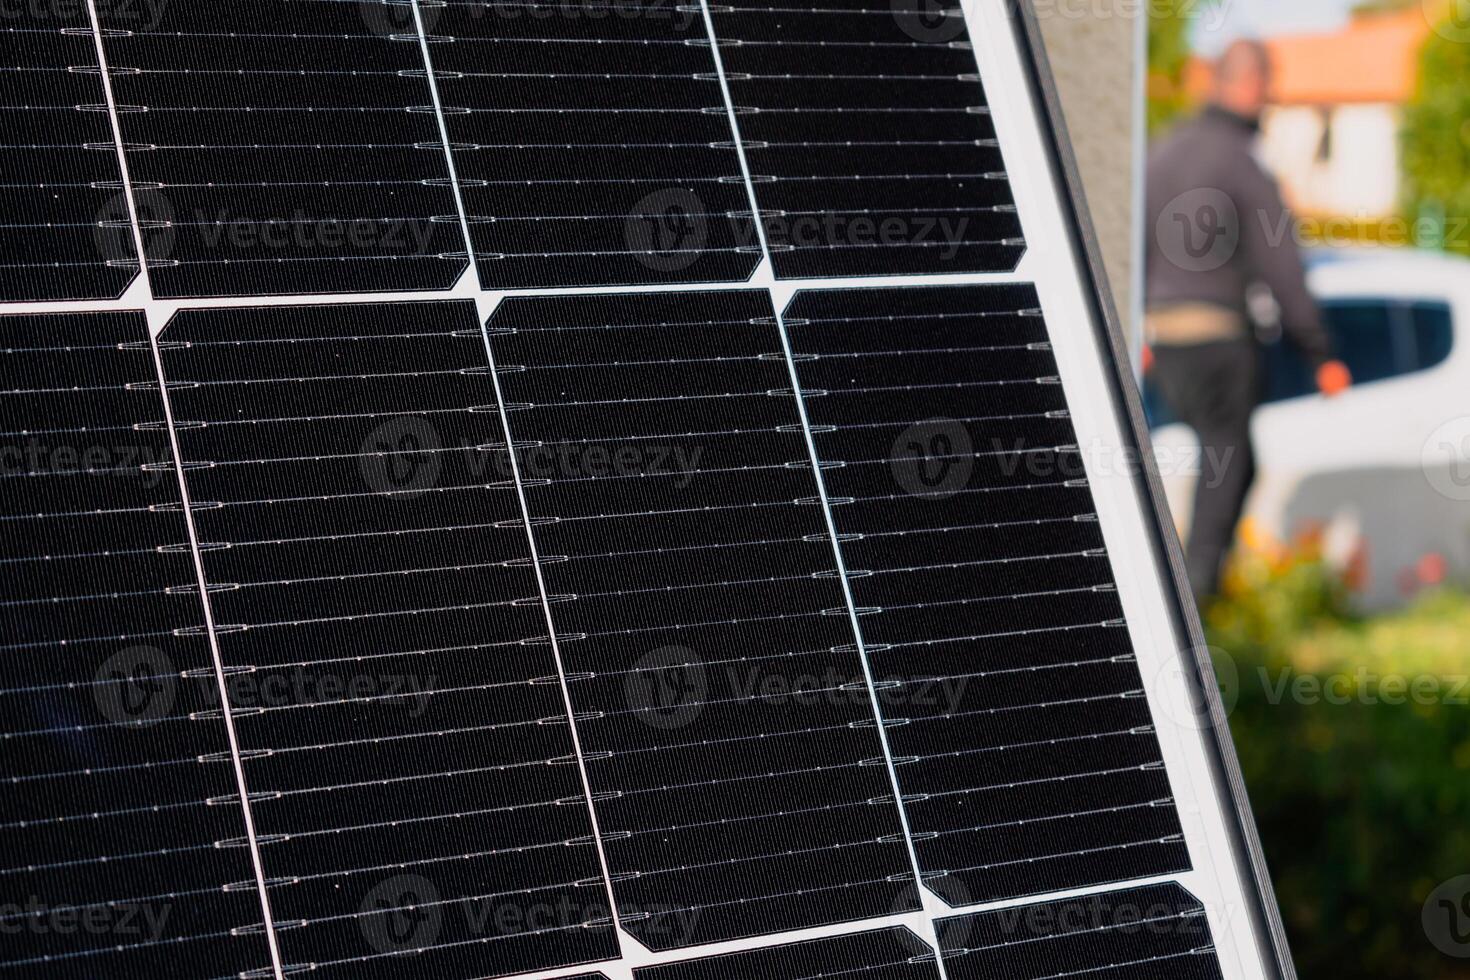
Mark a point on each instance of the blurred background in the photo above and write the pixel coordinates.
(1342, 629)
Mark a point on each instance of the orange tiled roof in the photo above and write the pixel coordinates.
(1374, 59)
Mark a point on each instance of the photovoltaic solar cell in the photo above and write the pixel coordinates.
(404, 734)
(728, 731)
(888, 954)
(115, 861)
(64, 231)
(592, 142)
(1027, 756)
(447, 647)
(282, 147)
(868, 137)
(1154, 933)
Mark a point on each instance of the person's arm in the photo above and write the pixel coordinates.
(1269, 244)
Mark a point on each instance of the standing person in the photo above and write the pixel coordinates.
(1219, 227)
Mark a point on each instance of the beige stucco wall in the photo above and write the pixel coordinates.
(1093, 54)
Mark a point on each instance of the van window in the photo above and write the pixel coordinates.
(1378, 340)
(1434, 334)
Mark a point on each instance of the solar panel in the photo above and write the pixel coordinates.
(689, 577)
(592, 143)
(714, 622)
(282, 146)
(889, 954)
(1160, 931)
(868, 136)
(986, 600)
(122, 854)
(65, 233)
(404, 739)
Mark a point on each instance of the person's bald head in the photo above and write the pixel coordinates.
(1243, 79)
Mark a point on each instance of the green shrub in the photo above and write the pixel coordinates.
(1359, 780)
(1436, 136)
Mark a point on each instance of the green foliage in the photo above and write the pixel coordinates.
(1169, 26)
(1436, 134)
(1383, 6)
(1360, 781)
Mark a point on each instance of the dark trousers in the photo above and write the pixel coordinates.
(1214, 389)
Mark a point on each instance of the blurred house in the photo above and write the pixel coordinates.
(1332, 138)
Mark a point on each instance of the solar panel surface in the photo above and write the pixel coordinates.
(592, 143)
(405, 741)
(889, 954)
(122, 854)
(64, 223)
(282, 147)
(868, 136)
(988, 608)
(1159, 931)
(668, 634)
(730, 740)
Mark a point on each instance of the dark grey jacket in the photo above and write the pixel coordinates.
(1217, 224)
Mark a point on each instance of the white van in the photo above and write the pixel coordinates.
(1384, 468)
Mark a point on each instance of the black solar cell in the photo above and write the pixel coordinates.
(868, 137)
(404, 730)
(64, 231)
(446, 648)
(283, 147)
(1027, 755)
(1154, 933)
(888, 954)
(728, 730)
(592, 143)
(122, 842)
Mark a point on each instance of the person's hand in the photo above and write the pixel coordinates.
(1333, 378)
